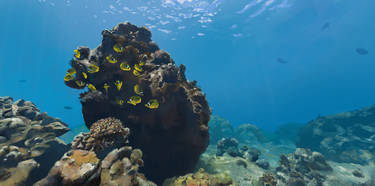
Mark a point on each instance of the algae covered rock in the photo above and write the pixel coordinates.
(200, 178)
(345, 137)
(129, 78)
(28, 142)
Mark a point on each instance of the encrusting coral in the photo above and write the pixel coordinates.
(129, 78)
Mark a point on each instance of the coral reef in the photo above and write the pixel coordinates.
(302, 168)
(219, 128)
(28, 142)
(200, 178)
(249, 133)
(83, 167)
(345, 137)
(129, 78)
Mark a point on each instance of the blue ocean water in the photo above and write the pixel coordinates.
(265, 62)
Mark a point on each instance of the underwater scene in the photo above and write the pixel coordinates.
(187, 93)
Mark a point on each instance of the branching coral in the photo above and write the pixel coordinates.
(105, 133)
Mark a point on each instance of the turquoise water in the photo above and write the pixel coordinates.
(265, 62)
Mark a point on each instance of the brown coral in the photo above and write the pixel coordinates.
(107, 133)
(174, 132)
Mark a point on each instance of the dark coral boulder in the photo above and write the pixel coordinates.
(129, 78)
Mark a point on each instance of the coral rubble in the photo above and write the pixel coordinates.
(130, 78)
(345, 137)
(28, 142)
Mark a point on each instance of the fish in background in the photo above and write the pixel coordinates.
(361, 51)
(326, 26)
(22, 81)
(281, 60)
(68, 108)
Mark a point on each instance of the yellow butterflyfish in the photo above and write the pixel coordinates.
(77, 54)
(152, 104)
(120, 101)
(118, 84)
(92, 68)
(68, 77)
(134, 100)
(80, 83)
(106, 86)
(138, 67)
(71, 71)
(141, 63)
(118, 48)
(138, 90)
(136, 73)
(91, 87)
(111, 59)
(125, 66)
(84, 75)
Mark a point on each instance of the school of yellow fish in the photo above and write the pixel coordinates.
(71, 74)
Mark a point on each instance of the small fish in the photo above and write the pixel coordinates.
(71, 71)
(134, 100)
(68, 108)
(84, 75)
(22, 81)
(138, 68)
(138, 90)
(141, 63)
(111, 59)
(80, 83)
(118, 84)
(106, 86)
(118, 48)
(77, 54)
(120, 102)
(125, 66)
(68, 77)
(152, 104)
(281, 60)
(326, 26)
(93, 69)
(136, 73)
(361, 51)
(91, 87)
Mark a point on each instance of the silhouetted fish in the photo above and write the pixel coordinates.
(22, 81)
(68, 108)
(281, 60)
(326, 26)
(361, 51)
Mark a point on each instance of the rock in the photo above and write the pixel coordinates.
(178, 127)
(249, 134)
(200, 178)
(253, 154)
(358, 174)
(263, 163)
(20, 175)
(219, 128)
(229, 146)
(345, 137)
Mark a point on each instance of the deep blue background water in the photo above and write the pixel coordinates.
(232, 53)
